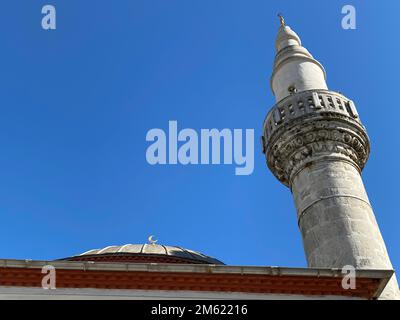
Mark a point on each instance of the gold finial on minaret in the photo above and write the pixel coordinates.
(281, 19)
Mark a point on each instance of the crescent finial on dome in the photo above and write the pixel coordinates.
(151, 240)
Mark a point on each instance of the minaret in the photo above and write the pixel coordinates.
(316, 145)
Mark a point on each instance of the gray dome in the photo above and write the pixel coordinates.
(151, 250)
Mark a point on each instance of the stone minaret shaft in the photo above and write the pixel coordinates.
(316, 145)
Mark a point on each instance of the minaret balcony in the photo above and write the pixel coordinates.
(310, 126)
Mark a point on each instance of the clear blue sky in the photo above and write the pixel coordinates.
(77, 102)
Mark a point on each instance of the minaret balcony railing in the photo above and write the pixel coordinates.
(305, 104)
(310, 126)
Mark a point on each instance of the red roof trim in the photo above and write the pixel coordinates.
(250, 283)
(134, 258)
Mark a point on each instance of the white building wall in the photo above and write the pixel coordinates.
(22, 293)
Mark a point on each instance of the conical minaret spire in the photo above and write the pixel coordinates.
(295, 69)
(316, 145)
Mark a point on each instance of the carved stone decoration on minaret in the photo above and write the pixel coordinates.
(316, 145)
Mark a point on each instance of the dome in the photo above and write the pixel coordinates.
(144, 253)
